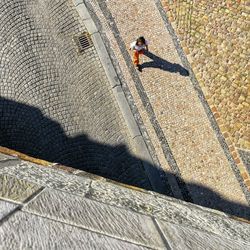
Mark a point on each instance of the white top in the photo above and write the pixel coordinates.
(138, 48)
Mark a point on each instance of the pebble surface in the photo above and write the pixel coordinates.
(215, 37)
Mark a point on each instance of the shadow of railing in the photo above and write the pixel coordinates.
(24, 128)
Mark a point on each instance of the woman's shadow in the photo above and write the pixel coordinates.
(160, 63)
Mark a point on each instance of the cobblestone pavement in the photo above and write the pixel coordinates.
(215, 36)
(57, 104)
(176, 118)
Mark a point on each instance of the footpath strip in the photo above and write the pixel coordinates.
(186, 137)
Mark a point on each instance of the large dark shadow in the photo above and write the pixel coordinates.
(26, 129)
(160, 63)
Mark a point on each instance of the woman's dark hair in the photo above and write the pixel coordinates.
(141, 39)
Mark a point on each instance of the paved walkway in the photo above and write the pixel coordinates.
(172, 112)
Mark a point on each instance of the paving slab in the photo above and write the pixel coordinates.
(96, 216)
(27, 231)
(6, 208)
(180, 238)
(168, 209)
(15, 189)
(48, 177)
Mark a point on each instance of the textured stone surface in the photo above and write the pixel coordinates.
(27, 231)
(180, 238)
(4, 157)
(15, 189)
(186, 140)
(96, 216)
(48, 177)
(94, 213)
(169, 209)
(6, 208)
(57, 104)
(215, 35)
(245, 156)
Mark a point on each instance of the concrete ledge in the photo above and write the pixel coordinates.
(126, 112)
(150, 169)
(105, 60)
(90, 25)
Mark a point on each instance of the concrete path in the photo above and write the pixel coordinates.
(180, 129)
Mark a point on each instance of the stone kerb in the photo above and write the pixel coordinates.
(141, 148)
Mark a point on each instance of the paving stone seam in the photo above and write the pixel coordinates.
(234, 151)
(33, 196)
(165, 240)
(146, 103)
(7, 216)
(155, 176)
(244, 156)
(80, 227)
(201, 96)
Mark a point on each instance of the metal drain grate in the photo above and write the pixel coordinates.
(84, 41)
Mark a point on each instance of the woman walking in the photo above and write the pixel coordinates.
(138, 47)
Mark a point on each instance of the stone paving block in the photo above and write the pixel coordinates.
(15, 189)
(202, 218)
(168, 209)
(6, 208)
(180, 238)
(27, 231)
(245, 156)
(96, 216)
(117, 195)
(223, 61)
(48, 177)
